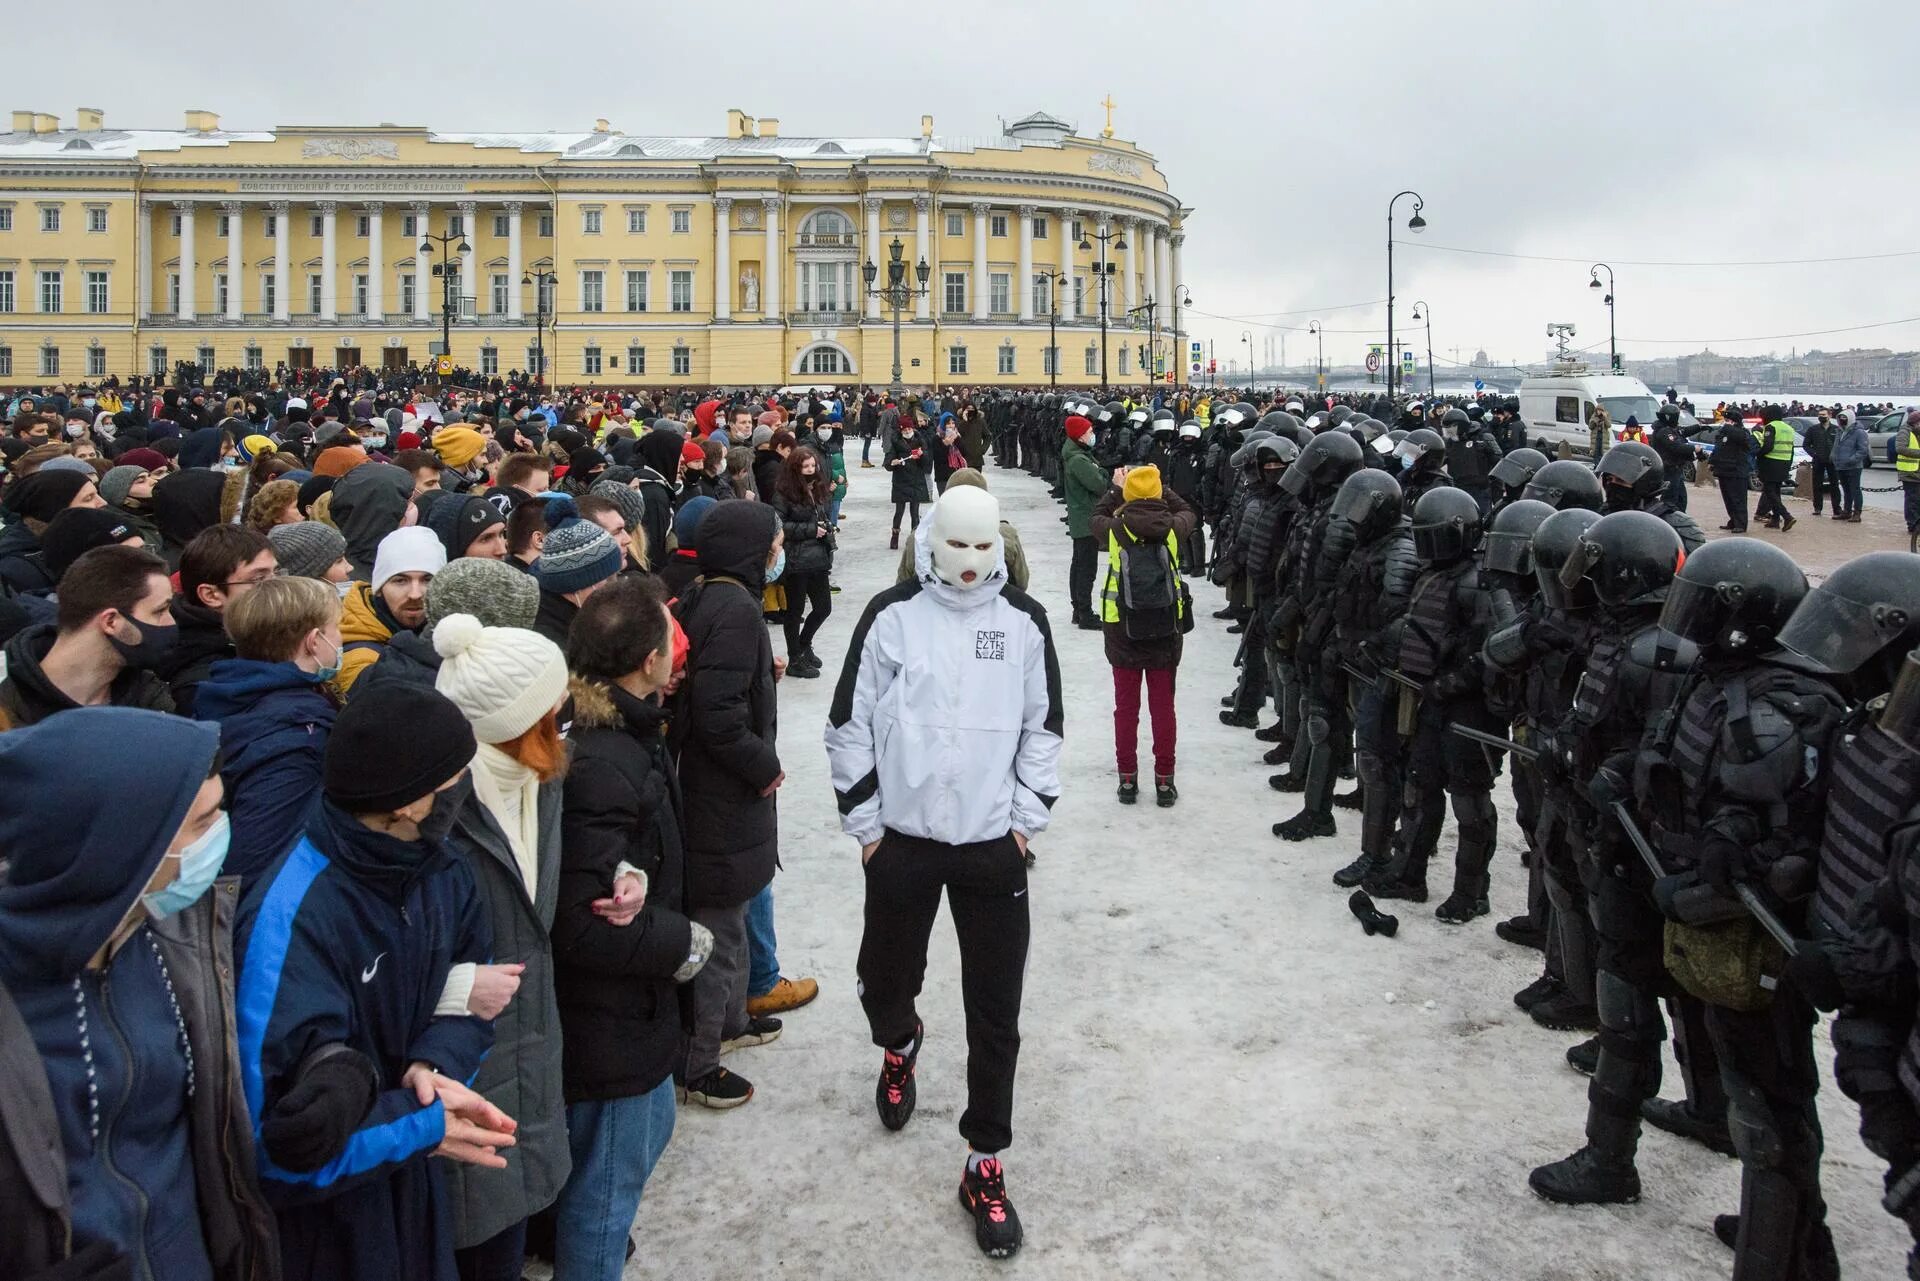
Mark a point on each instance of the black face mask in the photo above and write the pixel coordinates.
(155, 643)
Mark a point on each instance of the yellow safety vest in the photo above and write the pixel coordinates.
(1110, 590)
(1908, 465)
(1781, 450)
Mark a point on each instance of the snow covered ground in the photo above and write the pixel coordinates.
(1221, 1076)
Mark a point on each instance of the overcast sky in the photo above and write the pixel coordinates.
(1682, 131)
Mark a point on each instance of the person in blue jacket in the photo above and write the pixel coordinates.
(275, 711)
(365, 1002)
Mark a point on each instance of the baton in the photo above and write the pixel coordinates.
(1399, 679)
(1748, 898)
(1494, 740)
(1359, 675)
(1639, 840)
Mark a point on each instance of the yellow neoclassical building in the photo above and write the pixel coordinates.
(614, 258)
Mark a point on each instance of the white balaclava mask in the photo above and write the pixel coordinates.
(968, 517)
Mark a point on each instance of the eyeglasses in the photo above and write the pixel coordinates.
(254, 581)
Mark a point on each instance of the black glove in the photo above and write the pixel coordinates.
(333, 1090)
(1607, 786)
(1811, 969)
(1722, 863)
(94, 1261)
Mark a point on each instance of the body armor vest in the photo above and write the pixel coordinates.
(1434, 629)
(1874, 782)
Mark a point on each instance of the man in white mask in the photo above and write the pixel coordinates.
(944, 742)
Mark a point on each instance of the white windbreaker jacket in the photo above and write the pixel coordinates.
(947, 719)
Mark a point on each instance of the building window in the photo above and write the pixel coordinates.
(826, 360)
(224, 226)
(220, 292)
(593, 291)
(173, 291)
(680, 287)
(1040, 227)
(501, 291)
(409, 226)
(997, 225)
(1050, 361)
(500, 229)
(6, 217)
(536, 360)
(999, 292)
(546, 225)
(636, 222)
(317, 225)
(682, 221)
(269, 293)
(682, 362)
(590, 360)
(1006, 358)
(589, 222)
(1125, 351)
(253, 358)
(50, 221)
(1079, 231)
(546, 295)
(50, 291)
(636, 291)
(956, 224)
(206, 359)
(489, 360)
(270, 225)
(174, 222)
(362, 225)
(49, 361)
(1042, 294)
(636, 360)
(157, 361)
(457, 225)
(1079, 295)
(6, 290)
(96, 220)
(956, 293)
(956, 360)
(6, 362)
(1093, 359)
(313, 293)
(826, 286)
(360, 290)
(406, 294)
(96, 361)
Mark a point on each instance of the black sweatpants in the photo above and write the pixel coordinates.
(903, 507)
(986, 886)
(1736, 492)
(807, 590)
(1080, 578)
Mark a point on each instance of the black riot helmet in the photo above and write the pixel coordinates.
(1668, 414)
(1269, 450)
(1164, 422)
(1564, 483)
(1631, 558)
(1246, 411)
(1446, 525)
(1232, 416)
(1243, 456)
(1457, 420)
(1860, 621)
(1422, 449)
(1369, 500)
(1630, 473)
(1900, 715)
(1137, 415)
(1274, 419)
(1733, 596)
(1554, 543)
(1510, 539)
(1476, 411)
(1112, 413)
(1517, 467)
(1339, 414)
(1327, 460)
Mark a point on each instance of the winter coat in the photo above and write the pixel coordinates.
(274, 721)
(1733, 450)
(681, 568)
(365, 629)
(183, 504)
(1851, 447)
(554, 618)
(1086, 480)
(909, 473)
(657, 515)
(369, 503)
(27, 696)
(947, 717)
(408, 656)
(808, 550)
(726, 713)
(973, 437)
(619, 1009)
(1819, 440)
(521, 1076)
(202, 642)
(1148, 522)
(766, 472)
(348, 940)
(1183, 471)
(21, 568)
(162, 1155)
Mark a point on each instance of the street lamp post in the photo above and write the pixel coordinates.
(1424, 314)
(1415, 224)
(540, 278)
(1054, 281)
(445, 269)
(897, 293)
(1153, 337)
(1105, 274)
(1320, 359)
(1593, 282)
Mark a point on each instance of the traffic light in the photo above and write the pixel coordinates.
(1213, 366)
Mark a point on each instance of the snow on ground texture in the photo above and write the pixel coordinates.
(1212, 1082)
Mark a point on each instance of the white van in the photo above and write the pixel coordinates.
(1556, 406)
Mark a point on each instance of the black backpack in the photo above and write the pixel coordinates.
(1153, 600)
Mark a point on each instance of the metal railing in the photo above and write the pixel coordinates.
(827, 239)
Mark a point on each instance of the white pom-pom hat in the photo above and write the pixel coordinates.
(503, 679)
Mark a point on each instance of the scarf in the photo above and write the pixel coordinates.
(511, 794)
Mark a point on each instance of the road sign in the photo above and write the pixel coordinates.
(1373, 362)
(1407, 362)
(1213, 366)
(1478, 385)
(1195, 357)
(444, 365)
(1194, 367)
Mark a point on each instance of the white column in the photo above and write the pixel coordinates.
(723, 258)
(1130, 291)
(329, 258)
(187, 264)
(923, 302)
(422, 211)
(774, 268)
(376, 261)
(1023, 287)
(979, 259)
(875, 254)
(514, 309)
(236, 264)
(1170, 276)
(1067, 247)
(282, 270)
(468, 230)
(146, 259)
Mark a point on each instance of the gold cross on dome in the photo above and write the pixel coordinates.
(1107, 102)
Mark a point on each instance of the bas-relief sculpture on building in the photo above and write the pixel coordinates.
(349, 149)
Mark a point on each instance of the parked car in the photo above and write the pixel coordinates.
(1880, 435)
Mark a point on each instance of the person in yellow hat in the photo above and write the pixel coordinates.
(460, 449)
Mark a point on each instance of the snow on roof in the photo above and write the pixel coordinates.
(114, 144)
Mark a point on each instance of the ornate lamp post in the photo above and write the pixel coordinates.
(896, 293)
(445, 269)
(1415, 224)
(541, 278)
(1593, 282)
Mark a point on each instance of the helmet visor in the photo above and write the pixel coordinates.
(1294, 481)
(1510, 471)
(1353, 504)
(1510, 553)
(1901, 715)
(1693, 611)
(1840, 635)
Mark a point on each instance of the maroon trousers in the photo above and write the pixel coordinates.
(1126, 718)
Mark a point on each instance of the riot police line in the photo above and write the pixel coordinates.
(1715, 768)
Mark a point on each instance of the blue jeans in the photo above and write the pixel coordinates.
(1677, 488)
(615, 1143)
(763, 960)
(1849, 490)
(833, 513)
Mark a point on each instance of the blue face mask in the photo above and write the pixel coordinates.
(199, 865)
(331, 670)
(779, 566)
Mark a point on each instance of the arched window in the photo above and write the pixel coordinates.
(824, 358)
(827, 227)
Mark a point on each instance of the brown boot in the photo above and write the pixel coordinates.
(787, 994)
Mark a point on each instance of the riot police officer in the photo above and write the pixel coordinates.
(1258, 533)
(1511, 474)
(1633, 477)
(1423, 458)
(1564, 483)
(1675, 450)
(1471, 454)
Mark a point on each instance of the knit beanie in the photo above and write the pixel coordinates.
(338, 460)
(686, 521)
(45, 494)
(577, 553)
(371, 769)
(411, 550)
(632, 506)
(118, 483)
(457, 519)
(762, 435)
(503, 678)
(692, 453)
(143, 458)
(326, 433)
(491, 590)
(77, 531)
(964, 476)
(1078, 428)
(307, 549)
(458, 446)
(1142, 482)
(67, 462)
